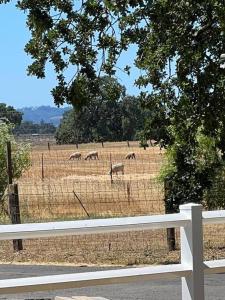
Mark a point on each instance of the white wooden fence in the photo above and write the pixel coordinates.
(191, 270)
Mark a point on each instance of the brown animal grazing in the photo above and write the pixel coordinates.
(76, 155)
(130, 155)
(92, 155)
(117, 168)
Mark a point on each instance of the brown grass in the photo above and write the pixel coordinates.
(137, 192)
(68, 183)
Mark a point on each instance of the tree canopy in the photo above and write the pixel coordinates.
(110, 116)
(178, 48)
(10, 114)
(29, 127)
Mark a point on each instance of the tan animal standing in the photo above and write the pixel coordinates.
(76, 155)
(117, 168)
(92, 155)
(130, 155)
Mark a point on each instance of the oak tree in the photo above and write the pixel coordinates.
(109, 116)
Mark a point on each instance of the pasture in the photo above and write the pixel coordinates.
(56, 188)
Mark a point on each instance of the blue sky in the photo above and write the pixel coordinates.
(17, 88)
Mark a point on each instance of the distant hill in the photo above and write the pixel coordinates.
(47, 114)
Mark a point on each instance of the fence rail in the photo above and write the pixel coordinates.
(50, 229)
(191, 269)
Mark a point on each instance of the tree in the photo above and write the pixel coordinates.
(20, 158)
(157, 124)
(28, 127)
(74, 127)
(110, 116)
(9, 114)
(179, 59)
(133, 117)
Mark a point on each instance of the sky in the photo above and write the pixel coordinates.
(18, 89)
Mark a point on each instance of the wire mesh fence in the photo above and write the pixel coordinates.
(74, 199)
(57, 188)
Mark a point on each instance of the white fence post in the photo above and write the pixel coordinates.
(191, 239)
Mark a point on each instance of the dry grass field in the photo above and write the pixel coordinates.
(56, 188)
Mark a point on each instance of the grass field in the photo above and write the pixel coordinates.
(58, 188)
(55, 188)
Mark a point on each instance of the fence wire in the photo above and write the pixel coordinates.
(56, 189)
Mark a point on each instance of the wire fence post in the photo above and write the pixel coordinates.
(9, 162)
(49, 146)
(111, 176)
(42, 166)
(192, 252)
(128, 192)
(14, 212)
(128, 144)
(170, 232)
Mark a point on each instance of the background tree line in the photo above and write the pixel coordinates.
(112, 115)
(9, 115)
(29, 127)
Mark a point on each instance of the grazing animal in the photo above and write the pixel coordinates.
(153, 143)
(117, 168)
(130, 155)
(92, 155)
(76, 155)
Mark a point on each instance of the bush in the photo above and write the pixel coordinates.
(20, 158)
(198, 172)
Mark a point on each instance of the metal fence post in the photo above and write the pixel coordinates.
(191, 239)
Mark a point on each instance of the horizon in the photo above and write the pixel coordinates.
(61, 107)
